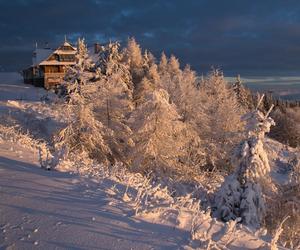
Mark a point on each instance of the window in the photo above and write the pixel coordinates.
(67, 58)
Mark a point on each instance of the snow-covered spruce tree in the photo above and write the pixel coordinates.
(148, 60)
(244, 95)
(161, 139)
(134, 58)
(149, 83)
(180, 84)
(163, 64)
(218, 119)
(171, 75)
(111, 97)
(241, 194)
(112, 62)
(83, 135)
(187, 94)
(78, 74)
(141, 67)
(116, 83)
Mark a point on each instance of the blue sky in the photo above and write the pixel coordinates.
(249, 37)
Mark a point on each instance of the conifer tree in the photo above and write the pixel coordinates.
(218, 118)
(171, 75)
(79, 74)
(148, 60)
(161, 139)
(83, 135)
(112, 97)
(134, 58)
(244, 96)
(111, 62)
(187, 94)
(241, 194)
(149, 83)
(163, 64)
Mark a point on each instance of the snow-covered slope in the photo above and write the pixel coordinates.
(31, 109)
(54, 210)
(280, 157)
(117, 210)
(51, 210)
(12, 88)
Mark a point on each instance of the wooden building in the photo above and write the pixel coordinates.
(48, 66)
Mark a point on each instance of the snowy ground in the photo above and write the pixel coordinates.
(52, 210)
(55, 210)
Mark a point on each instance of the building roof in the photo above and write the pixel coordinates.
(55, 62)
(41, 56)
(64, 52)
(67, 44)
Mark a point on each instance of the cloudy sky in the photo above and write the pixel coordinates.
(250, 37)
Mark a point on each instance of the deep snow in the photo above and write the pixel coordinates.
(55, 210)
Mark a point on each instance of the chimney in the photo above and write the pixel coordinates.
(97, 48)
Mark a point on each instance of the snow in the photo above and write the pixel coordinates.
(92, 210)
(55, 62)
(41, 55)
(55, 209)
(62, 211)
(13, 88)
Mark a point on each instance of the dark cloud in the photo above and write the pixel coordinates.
(250, 37)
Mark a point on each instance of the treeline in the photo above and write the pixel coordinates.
(124, 105)
(286, 113)
(151, 115)
(270, 100)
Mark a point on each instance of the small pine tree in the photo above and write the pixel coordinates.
(241, 194)
(148, 60)
(244, 95)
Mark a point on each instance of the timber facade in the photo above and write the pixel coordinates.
(49, 66)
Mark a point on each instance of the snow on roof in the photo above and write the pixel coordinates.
(65, 52)
(55, 62)
(41, 55)
(69, 45)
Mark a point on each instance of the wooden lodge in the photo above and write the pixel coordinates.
(48, 65)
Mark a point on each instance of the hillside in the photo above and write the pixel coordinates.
(83, 205)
